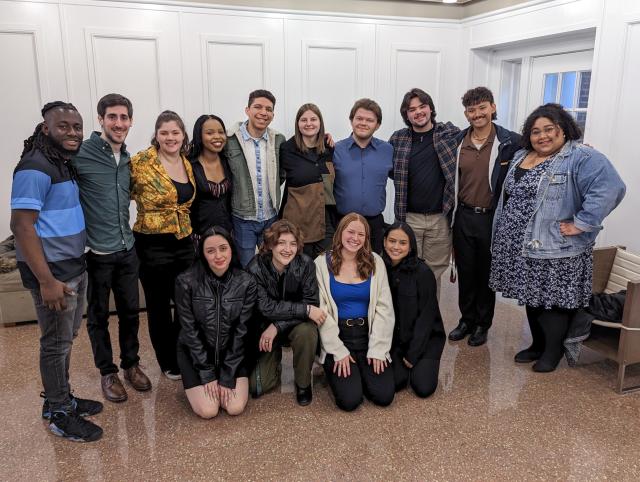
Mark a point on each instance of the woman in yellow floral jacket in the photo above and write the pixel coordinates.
(163, 187)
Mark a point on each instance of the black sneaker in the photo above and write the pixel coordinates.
(73, 427)
(82, 406)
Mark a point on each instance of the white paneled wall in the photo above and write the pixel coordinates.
(205, 59)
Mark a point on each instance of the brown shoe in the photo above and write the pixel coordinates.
(112, 388)
(138, 380)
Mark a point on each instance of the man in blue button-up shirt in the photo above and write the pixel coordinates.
(362, 164)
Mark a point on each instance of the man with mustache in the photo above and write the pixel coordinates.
(103, 167)
(483, 155)
(48, 224)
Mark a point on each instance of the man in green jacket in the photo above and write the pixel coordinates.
(253, 152)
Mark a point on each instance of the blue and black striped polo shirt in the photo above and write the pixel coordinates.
(39, 185)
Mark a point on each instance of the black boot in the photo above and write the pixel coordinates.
(534, 352)
(554, 324)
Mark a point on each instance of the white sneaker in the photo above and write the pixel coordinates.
(172, 375)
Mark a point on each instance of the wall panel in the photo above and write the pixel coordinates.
(134, 52)
(330, 64)
(226, 56)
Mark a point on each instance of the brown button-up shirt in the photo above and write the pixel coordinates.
(474, 188)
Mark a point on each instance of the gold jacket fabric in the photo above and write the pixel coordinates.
(156, 197)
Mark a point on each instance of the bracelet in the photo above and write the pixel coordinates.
(308, 310)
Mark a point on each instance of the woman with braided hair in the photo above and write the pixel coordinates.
(48, 224)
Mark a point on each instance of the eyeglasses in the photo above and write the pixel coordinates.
(547, 131)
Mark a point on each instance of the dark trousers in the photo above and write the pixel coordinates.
(423, 377)
(376, 227)
(117, 272)
(348, 391)
(472, 248)
(548, 329)
(57, 331)
(162, 259)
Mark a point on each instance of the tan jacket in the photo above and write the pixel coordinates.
(380, 314)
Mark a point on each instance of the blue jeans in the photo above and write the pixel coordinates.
(58, 329)
(248, 235)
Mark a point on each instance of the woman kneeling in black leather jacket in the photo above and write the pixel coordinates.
(288, 310)
(215, 301)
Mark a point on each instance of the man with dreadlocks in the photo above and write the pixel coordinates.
(48, 224)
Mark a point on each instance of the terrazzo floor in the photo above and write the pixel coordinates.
(489, 419)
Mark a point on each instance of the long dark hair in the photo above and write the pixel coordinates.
(52, 152)
(201, 265)
(195, 147)
(410, 262)
(556, 114)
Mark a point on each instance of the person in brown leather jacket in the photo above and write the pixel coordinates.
(215, 300)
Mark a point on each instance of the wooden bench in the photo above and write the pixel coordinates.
(616, 269)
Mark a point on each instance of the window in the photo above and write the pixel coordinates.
(571, 90)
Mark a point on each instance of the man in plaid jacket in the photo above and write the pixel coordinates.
(424, 170)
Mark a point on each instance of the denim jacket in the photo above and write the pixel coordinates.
(580, 185)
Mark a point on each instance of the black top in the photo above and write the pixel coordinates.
(418, 332)
(426, 181)
(212, 205)
(215, 315)
(185, 191)
(303, 168)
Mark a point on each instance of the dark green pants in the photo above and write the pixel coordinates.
(303, 339)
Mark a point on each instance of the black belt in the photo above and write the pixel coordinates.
(476, 209)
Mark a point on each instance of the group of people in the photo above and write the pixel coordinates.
(517, 214)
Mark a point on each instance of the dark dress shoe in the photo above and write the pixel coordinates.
(527, 356)
(479, 336)
(304, 395)
(459, 332)
(138, 380)
(112, 388)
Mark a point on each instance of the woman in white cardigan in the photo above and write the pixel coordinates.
(356, 336)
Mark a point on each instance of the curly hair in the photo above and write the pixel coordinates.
(365, 262)
(556, 114)
(477, 96)
(272, 235)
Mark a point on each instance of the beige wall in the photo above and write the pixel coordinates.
(396, 8)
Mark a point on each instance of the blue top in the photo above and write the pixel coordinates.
(361, 176)
(39, 185)
(352, 300)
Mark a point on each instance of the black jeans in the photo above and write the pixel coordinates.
(162, 258)
(423, 377)
(117, 272)
(472, 248)
(348, 391)
(58, 330)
